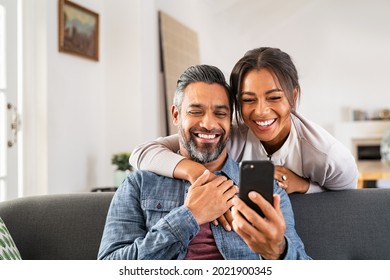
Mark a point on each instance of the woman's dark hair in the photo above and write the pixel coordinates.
(277, 62)
(202, 73)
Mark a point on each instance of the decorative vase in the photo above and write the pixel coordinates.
(385, 147)
(119, 176)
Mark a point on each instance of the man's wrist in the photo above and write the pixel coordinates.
(283, 249)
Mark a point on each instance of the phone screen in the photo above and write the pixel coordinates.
(256, 176)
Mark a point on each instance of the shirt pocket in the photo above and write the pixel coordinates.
(155, 209)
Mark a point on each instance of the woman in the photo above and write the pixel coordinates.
(306, 157)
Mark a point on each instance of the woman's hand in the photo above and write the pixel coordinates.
(290, 181)
(265, 236)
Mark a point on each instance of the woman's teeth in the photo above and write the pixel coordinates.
(265, 123)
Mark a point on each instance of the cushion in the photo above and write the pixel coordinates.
(8, 250)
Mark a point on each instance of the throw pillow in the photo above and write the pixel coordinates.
(8, 250)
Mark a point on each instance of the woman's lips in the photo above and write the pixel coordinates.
(265, 124)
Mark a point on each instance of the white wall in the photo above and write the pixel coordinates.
(79, 112)
(339, 47)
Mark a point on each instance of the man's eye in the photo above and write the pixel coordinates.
(221, 114)
(195, 113)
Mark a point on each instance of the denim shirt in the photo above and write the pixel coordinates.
(147, 220)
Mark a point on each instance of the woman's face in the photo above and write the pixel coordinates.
(265, 108)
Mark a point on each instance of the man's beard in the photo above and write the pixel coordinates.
(208, 152)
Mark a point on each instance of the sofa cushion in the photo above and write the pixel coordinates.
(8, 249)
(351, 224)
(58, 226)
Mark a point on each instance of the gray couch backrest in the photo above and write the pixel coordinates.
(352, 224)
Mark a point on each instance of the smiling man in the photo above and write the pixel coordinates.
(203, 142)
(157, 217)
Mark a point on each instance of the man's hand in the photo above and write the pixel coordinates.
(264, 236)
(225, 220)
(207, 200)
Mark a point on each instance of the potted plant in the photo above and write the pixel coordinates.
(123, 167)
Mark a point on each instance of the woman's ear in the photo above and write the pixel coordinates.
(175, 115)
(296, 98)
(296, 95)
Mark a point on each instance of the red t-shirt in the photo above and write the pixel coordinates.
(203, 246)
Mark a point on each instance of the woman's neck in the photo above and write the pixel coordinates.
(276, 143)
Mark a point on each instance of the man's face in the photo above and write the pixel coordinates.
(204, 121)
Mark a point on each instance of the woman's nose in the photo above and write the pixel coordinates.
(261, 107)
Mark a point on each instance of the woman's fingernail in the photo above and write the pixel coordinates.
(228, 228)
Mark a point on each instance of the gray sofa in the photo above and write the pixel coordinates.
(352, 224)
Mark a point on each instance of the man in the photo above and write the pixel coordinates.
(156, 217)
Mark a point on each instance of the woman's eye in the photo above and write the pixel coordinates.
(247, 100)
(274, 98)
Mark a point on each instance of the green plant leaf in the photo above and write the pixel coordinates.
(121, 160)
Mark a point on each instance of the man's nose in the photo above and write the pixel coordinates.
(209, 121)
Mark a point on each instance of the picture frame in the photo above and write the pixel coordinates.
(78, 32)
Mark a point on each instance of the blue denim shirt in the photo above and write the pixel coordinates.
(147, 219)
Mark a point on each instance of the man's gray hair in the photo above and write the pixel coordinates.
(201, 73)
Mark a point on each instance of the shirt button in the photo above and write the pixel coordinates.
(158, 206)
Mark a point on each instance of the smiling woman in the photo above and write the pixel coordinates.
(265, 108)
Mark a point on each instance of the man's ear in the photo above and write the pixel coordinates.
(175, 115)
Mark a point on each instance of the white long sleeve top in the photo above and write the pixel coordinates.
(309, 151)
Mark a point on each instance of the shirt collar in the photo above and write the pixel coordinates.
(230, 170)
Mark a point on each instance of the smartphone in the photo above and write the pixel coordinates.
(256, 175)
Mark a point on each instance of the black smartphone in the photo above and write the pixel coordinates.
(256, 175)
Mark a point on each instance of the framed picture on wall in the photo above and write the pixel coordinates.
(78, 32)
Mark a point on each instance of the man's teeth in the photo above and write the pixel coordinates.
(207, 136)
(265, 123)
